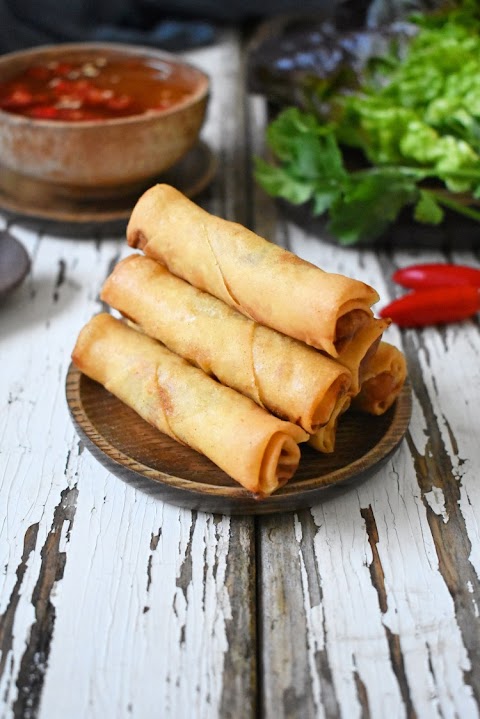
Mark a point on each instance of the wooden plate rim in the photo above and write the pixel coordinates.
(234, 500)
(98, 212)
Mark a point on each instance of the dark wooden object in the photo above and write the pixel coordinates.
(14, 263)
(34, 200)
(142, 456)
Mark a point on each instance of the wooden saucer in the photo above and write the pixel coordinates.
(20, 195)
(140, 455)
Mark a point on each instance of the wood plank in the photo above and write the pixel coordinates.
(112, 604)
(103, 585)
(390, 565)
(382, 582)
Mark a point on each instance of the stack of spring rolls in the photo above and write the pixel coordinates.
(234, 346)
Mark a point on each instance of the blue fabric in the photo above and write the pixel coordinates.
(36, 22)
(176, 25)
(169, 34)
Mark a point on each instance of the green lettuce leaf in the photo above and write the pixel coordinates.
(417, 123)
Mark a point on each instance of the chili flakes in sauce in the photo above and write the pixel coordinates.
(95, 89)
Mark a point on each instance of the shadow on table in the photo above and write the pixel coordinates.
(36, 302)
(68, 230)
(455, 232)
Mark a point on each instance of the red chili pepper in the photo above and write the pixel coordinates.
(96, 96)
(119, 102)
(63, 68)
(437, 305)
(77, 115)
(417, 277)
(18, 98)
(44, 113)
(38, 72)
(65, 87)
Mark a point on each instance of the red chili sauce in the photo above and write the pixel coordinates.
(98, 88)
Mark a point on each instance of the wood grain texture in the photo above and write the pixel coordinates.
(385, 579)
(35, 200)
(144, 457)
(111, 604)
(83, 561)
(114, 605)
(425, 590)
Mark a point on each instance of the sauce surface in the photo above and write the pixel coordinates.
(78, 89)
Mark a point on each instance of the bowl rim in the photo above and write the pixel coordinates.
(200, 92)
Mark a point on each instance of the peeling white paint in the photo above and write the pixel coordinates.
(436, 501)
(143, 612)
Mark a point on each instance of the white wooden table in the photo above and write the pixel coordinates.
(114, 605)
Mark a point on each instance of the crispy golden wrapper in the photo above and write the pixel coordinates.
(256, 449)
(258, 278)
(283, 375)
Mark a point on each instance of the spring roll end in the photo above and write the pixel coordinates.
(279, 464)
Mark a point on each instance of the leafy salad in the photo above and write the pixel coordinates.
(407, 135)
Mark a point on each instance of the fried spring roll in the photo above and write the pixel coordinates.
(383, 380)
(258, 278)
(281, 374)
(256, 449)
(324, 438)
(356, 355)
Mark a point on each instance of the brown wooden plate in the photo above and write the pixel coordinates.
(140, 455)
(29, 198)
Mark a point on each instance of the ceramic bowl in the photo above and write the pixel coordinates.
(98, 157)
